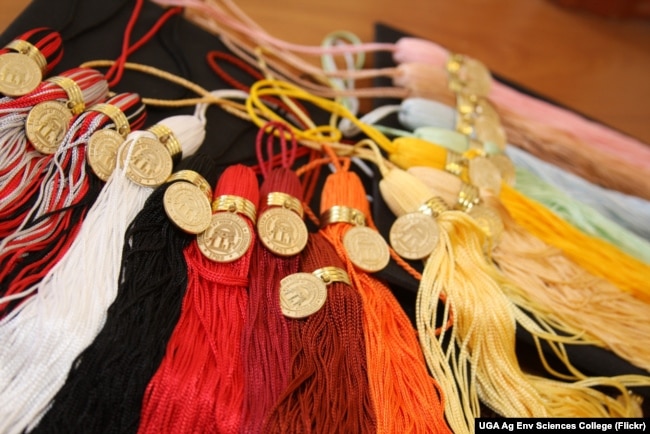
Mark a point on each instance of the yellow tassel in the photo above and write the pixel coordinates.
(481, 361)
(554, 287)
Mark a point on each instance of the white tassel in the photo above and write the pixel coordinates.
(40, 340)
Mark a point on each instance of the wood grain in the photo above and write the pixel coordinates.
(597, 66)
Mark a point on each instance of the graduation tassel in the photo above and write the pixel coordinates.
(31, 129)
(406, 397)
(66, 314)
(582, 216)
(26, 60)
(631, 212)
(282, 234)
(598, 257)
(553, 144)
(606, 214)
(595, 255)
(551, 285)
(68, 190)
(480, 360)
(114, 370)
(198, 387)
(328, 388)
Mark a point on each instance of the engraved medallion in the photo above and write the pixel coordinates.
(414, 235)
(475, 77)
(226, 239)
(46, 125)
(19, 74)
(150, 163)
(187, 207)
(282, 231)
(490, 130)
(301, 295)
(366, 249)
(101, 152)
(506, 168)
(489, 221)
(484, 174)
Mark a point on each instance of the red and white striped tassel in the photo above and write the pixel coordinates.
(27, 59)
(27, 119)
(68, 190)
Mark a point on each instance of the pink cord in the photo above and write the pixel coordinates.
(592, 134)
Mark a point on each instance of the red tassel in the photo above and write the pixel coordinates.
(265, 345)
(199, 386)
(328, 390)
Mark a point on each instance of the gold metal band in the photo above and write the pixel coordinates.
(167, 137)
(76, 102)
(455, 163)
(332, 274)
(434, 207)
(30, 51)
(236, 204)
(285, 200)
(193, 178)
(342, 214)
(119, 118)
(468, 196)
(454, 63)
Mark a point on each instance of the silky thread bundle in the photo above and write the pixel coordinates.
(265, 340)
(591, 133)
(67, 192)
(485, 364)
(595, 255)
(432, 120)
(328, 388)
(151, 286)
(550, 285)
(198, 387)
(406, 397)
(582, 216)
(629, 211)
(69, 309)
(22, 167)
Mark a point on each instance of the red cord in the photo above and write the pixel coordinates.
(116, 71)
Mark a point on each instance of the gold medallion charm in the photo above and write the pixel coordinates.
(187, 207)
(19, 74)
(366, 249)
(489, 221)
(101, 152)
(489, 130)
(150, 163)
(226, 239)
(414, 235)
(301, 295)
(468, 75)
(282, 231)
(46, 125)
(505, 167)
(484, 174)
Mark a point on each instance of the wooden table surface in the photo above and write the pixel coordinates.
(597, 66)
